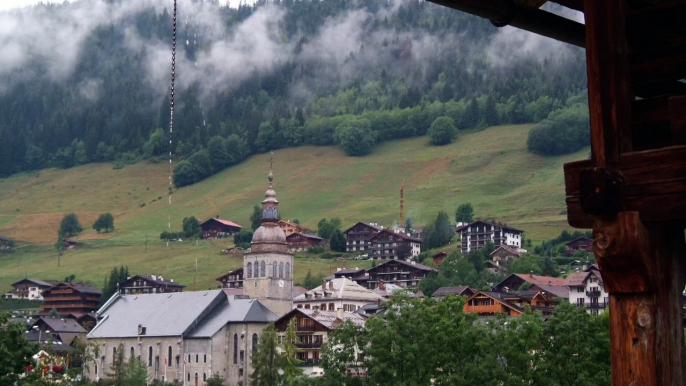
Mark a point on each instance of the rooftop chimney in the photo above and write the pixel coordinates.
(331, 285)
(338, 269)
(217, 216)
(323, 284)
(339, 313)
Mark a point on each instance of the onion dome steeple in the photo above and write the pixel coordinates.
(269, 237)
(270, 205)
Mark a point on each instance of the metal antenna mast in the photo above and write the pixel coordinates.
(171, 114)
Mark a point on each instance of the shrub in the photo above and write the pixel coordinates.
(442, 131)
(315, 250)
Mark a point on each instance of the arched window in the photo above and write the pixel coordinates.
(150, 356)
(257, 270)
(254, 342)
(204, 358)
(96, 369)
(281, 269)
(133, 352)
(263, 269)
(169, 357)
(249, 270)
(204, 377)
(189, 359)
(288, 270)
(189, 377)
(196, 358)
(114, 354)
(275, 269)
(235, 348)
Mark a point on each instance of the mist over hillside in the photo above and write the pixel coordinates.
(88, 81)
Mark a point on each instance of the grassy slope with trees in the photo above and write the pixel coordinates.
(490, 169)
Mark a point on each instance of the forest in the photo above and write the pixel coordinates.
(277, 74)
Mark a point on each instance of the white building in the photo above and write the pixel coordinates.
(336, 294)
(477, 234)
(31, 289)
(586, 290)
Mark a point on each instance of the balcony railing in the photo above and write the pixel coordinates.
(309, 345)
(596, 305)
(310, 362)
(593, 293)
(304, 328)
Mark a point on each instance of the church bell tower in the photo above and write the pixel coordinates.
(268, 268)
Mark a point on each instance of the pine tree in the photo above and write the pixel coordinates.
(291, 371)
(490, 113)
(267, 363)
(256, 218)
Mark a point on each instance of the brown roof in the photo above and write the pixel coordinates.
(535, 279)
(328, 319)
(376, 227)
(306, 235)
(579, 238)
(576, 279)
(236, 271)
(508, 249)
(77, 286)
(225, 222)
(400, 234)
(415, 265)
(559, 291)
(444, 291)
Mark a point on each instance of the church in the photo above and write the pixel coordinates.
(189, 336)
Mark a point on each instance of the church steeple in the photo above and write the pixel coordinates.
(270, 205)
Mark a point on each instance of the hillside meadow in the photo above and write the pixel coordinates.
(490, 169)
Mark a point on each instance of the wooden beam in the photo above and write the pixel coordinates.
(677, 118)
(609, 89)
(643, 270)
(533, 20)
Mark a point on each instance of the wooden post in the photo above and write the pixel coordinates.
(643, 270)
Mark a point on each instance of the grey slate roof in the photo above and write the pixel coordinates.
(39, 283)
(191, 314)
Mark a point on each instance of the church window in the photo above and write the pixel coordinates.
(235, 348)
(281, 269)
(263, 269)
(249, 270)
(254, 342)
(256, 272)
(288, 270)
(275, 269)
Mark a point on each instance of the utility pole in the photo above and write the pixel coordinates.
(402, 205)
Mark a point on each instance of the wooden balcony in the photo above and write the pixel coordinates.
(301, 329)
(309, 345)
(597, 305)
(593, 294)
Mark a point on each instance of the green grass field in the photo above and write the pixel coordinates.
(490, 169)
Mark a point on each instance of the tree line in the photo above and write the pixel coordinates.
(43, 123)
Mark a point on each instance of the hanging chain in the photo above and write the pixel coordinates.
(171, 114)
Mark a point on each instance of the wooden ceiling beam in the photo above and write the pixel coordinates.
(504, 12)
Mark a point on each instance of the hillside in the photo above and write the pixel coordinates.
(490, 169)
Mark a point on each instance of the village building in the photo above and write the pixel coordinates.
(268, 267)
(298, 290)
(70, 298)
(556, 291)
(358, 237)
(313, 327)
(87, 321)
(290, 227)
(181, 337)
(338, 293)
(587, 290)
(5, 243)
(461, 290)
(149, 284)
(488, 303)
(402, 273)
(63, 330)
(495, 267)
(358, 275)
(388, 244)
(30, 289)
(581, 244)
(516, 280)
(386, 290)
(301, 241)
(216, 227)
(477, 234)
(233, 279)
(505, 253)
(439, 257)
(69, 244)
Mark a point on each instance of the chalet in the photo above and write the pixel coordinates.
(386, 290)
(495, 267)
(149, 284)
(70, 297)
(586, 289)
(486, 303)
(461, 290)
(540, 301)
(388, 244)
(291, 227)
(216, 227)
(233, 279)
(515, 280)
(313, 328)
(358, 237)
(581, 244)
(30, 289)
(338, 293)
(477, 234)
(505, 253)
(439, 257)
(5, 243)
(398, 272)
(69, 244)
(64, 330)
(87, 321)
(554, 290)
(302, 241)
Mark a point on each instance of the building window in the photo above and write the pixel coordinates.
(254, 342)
(189, 359)
(331, 307)
(114, 355)
(196, 358)
(204, 377)
(235, 348)
(275, 269)
(189, 377)
(204, 358)
(242, 356)
(281, 269)
(288, 270)
(96, 369)
(256, 271)
(150, 356)
(249, 270)
(169, 357)
(263, 269)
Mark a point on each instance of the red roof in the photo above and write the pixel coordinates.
(225, 222)
(535, 279)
